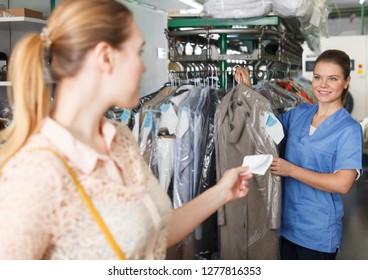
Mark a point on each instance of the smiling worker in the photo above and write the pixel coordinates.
(323, 158)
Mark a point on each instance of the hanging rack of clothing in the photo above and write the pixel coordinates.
(252, 40)
(174, 131)
(247, 229)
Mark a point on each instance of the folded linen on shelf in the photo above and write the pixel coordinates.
(236, 8)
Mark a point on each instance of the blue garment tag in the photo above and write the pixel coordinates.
(270, 121)
(164, 107)
(147, 120)
(125, 116)
(273, 127)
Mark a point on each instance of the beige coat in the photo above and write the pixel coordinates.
(248, 226)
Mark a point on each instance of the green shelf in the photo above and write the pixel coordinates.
(200, 22)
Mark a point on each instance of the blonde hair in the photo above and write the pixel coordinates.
(74, 28)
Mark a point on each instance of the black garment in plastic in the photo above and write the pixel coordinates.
(115, 112)
(208, 172)
(3, 69)
(142, 101)
(207, 247)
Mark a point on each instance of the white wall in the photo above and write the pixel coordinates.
(357, 48)
(152, 25)
(346, 26)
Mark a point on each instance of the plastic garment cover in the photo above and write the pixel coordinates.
(194, 146)
(206, 234)
(114, 113)
(6, 117)
(294, 88)
(208, 174)
(142, 101)
(303, 84)
(236, 8)
(314, 24)
(281, 101)
(127, 116)
(165, 159)
(172, 146)
(163, 153)
(257, 8)
(185, 174)
(364, 124)
(6, 114)
(200, 131)
(166, 119)
(248, 226)
(149, 116)
(292, 8)
(158, 113)
(312, 14)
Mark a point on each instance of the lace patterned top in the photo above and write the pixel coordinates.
(43, 216)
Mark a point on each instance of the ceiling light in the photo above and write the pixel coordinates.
(192, 3)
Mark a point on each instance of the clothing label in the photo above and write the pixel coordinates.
(270, 121)
(164, 107)
(125, 116)
(258, 164)
(273, 127)
(148, 120)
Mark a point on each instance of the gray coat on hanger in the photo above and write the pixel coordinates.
(248, 226)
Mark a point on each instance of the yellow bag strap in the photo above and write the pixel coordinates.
(89, 204)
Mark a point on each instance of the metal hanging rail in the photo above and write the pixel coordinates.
(210, 31)
(289, 51)
(256, 32)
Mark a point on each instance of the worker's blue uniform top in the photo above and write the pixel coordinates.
(312, 218)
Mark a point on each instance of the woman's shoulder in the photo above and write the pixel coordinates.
(33, 163)
(349, 120)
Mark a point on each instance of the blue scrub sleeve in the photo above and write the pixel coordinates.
(350, 150)
(284, 119)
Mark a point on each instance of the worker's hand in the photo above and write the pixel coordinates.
(234, 183)
(281, 167)
(242, 76)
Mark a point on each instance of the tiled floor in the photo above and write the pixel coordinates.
(355, 227)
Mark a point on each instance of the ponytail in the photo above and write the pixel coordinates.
(29, 94)
(69, 35)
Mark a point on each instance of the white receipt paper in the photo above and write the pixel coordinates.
(258, 164)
